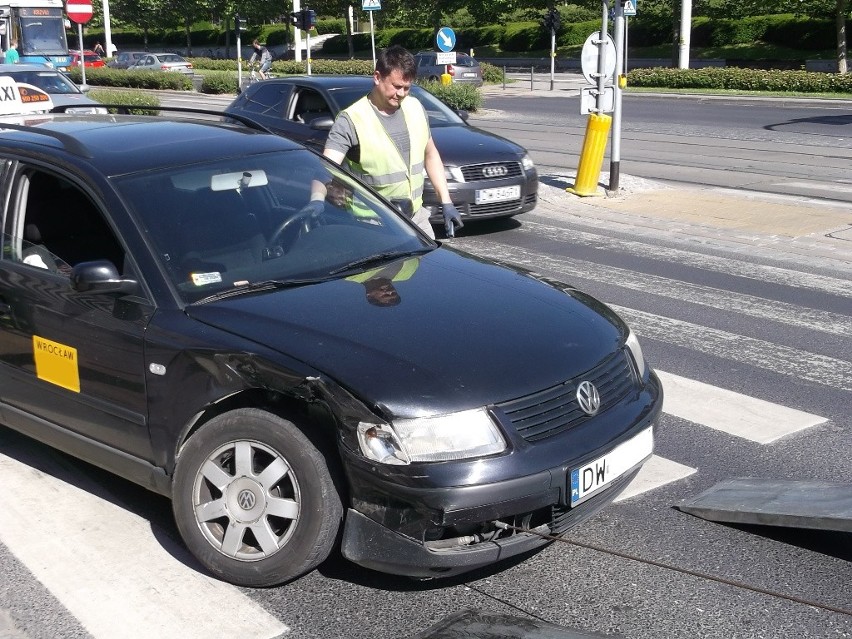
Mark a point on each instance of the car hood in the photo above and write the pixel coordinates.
(465, 332)
(460, 145)
(72, 99)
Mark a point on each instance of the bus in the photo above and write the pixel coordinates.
(39, 27)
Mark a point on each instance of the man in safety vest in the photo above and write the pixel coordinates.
(384, 139)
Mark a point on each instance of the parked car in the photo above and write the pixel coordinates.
(162, 62)
(66, 95)
(465, 70)
(124, 59)
(91, 59)
(488, 176)
(173, 312)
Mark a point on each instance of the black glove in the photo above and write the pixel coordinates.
(451, 216)
(313, 208)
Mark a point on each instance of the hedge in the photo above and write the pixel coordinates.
(732, 78)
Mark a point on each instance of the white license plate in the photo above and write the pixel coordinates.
(469, 74)
(600, 473)
(499, 194)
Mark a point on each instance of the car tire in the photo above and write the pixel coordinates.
(254, 500)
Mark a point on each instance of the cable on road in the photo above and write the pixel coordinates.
(684, 571)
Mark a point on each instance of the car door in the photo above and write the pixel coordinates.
(306, 108)
(68, 360)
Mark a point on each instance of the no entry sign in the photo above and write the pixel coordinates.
(79, 11)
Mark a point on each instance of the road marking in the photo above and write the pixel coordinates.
(750, 305)
(733, 413)
(791, 362)
(110, 570)
(657, 471)
(830, 186)
(728, 266)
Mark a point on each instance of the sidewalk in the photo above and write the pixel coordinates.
(769, 225)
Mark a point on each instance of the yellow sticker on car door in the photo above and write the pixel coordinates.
(56, 363)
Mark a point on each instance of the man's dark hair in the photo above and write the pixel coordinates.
(396, 58)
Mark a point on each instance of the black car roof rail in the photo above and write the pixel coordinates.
(71, 144)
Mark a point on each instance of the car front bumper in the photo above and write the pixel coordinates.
(399, 527)
(464, 196)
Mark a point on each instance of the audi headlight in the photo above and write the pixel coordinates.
(527, 163)
(454, 173)
(462, 435)
(636, 352)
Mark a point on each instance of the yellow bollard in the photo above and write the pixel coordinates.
(446, 79)
(591, 159)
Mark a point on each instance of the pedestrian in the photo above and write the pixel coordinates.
(12, 56)
(384, 139)
(99, 49)
(263, 56)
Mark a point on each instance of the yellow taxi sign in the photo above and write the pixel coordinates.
(19, 98)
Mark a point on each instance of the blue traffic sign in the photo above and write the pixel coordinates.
(446, 39)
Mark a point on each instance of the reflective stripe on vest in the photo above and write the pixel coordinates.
(381, 165)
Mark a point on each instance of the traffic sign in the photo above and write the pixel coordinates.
(589, 57)
(446, 39)
(629, 8)
(79, 11)
(371, 5)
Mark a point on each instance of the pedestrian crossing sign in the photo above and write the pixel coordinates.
(629, 8)
(371, 5)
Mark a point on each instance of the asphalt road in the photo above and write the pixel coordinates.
(733, 329)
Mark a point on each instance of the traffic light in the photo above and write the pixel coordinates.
(552, 20)
(239, 25)
(308, 19)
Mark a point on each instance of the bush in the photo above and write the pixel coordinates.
(160, 80)
(219, 82)
(331, 25)
(741, 80)
(575, 34)
(525, 36)
(457, 96)
(126, 98)
(491, 73)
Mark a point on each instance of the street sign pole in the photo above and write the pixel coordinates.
(373, 40)
(80, 11)
(615, 156)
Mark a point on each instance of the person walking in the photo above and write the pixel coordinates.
(12, 56)
(99, 49)
(263, 56)
(384, 139)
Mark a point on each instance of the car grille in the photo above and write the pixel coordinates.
(496, 208)
(555, 410)
(491, 171)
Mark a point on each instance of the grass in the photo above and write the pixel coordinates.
(769, 94)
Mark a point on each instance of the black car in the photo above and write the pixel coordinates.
(172, 313)
(125, 59)
(488, 176)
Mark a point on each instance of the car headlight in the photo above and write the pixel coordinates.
(527, 163)
(454, 173)
(636, 352)
(462, 435)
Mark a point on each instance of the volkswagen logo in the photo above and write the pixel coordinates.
(494, 170)
(246, 499)
(588, 398)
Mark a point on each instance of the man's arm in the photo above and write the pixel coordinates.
(435, 171)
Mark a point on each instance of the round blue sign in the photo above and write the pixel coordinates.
(446, 39)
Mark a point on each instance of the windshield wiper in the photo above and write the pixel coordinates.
(259, 287)
(378, 258)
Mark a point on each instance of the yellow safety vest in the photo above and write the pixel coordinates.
(381, 165)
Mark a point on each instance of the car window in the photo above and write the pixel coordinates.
(171, 58)
(439, 114)
(233, 223)
(268, 99)
(56, 225)
(308, 105)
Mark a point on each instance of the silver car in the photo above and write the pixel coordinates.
(56, 84)
(162, 62)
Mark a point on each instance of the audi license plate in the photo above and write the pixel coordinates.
(499, 194)
(588, 480)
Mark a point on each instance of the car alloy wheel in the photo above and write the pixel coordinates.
(254, 500)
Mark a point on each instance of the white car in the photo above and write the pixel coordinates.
(162, 62)
(62, 91)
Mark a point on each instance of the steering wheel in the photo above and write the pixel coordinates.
(307, 221)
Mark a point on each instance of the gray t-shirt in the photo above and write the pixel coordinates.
(343, 137)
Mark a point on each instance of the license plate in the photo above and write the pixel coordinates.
(499, 194)
(588, 480)
(470, 75)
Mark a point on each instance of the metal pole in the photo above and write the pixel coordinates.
(308, 49)
(107, 30)
(615, 156)
(373, 40)
(532, 70)
(685, 31)
(599, 100)
(239, 55)
(297, 34)
(82, 59)
(504, 78)
(552, 56)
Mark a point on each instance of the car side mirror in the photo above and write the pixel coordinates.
(100, 276)
(463, 114)
(322, 124)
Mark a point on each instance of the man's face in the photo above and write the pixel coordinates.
(390, 90)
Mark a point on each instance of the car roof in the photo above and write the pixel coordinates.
(119, 144)
(328, 81)
(8, 68)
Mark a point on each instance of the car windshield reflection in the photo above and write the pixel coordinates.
(233, 224)
(439, 113)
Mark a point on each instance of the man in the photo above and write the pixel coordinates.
(384, 139)
(12, 56)
(261, 54)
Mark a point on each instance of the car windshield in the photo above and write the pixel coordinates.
(48, 81)
(239, 225)
(439, 113)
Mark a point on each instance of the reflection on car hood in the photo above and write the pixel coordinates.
(461, 145)
(464, 333)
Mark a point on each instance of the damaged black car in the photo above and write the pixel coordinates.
(177, 311)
